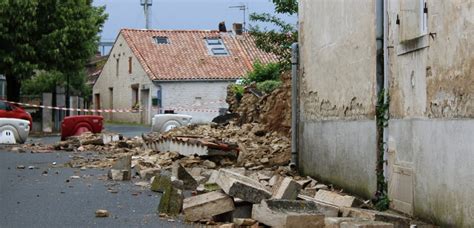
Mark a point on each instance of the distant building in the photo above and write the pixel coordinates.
(187, 71)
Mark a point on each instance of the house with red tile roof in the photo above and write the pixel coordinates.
(186, 71)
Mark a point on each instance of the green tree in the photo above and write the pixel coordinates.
(276, 41)
(17, 44)
(286, 6)
(52, 35)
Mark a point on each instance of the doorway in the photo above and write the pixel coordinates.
(144, 103)
(97, 102)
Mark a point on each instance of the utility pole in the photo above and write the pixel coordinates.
(244, 8)
(147, 10)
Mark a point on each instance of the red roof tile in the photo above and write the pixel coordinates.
(186, 57)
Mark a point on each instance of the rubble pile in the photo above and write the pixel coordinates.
(272, 110)
(257, 146)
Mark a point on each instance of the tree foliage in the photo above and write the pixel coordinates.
(262, 72)
(44, 81)
(276, 41)
(286, 6)
(51, 35)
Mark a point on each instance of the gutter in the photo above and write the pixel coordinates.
(294, 105)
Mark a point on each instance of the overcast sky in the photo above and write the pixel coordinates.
(178, 14)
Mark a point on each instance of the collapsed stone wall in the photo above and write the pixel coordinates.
(272, 110)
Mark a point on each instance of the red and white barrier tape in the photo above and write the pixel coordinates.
(179, 109)
(76, 109)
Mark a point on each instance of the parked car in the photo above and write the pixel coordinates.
(76, 125)
(17, 128)
(166, 122)
(8, 110)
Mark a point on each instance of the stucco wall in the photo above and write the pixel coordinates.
(121, 84)
(436, 81)
(431, 111)
(337, 93)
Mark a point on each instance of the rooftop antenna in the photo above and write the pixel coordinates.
(242, 7)
(147, 9)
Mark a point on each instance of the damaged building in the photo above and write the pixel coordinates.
(420, 55)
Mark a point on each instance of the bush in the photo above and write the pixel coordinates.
(263, 72)
(268, 86)
(238, 91)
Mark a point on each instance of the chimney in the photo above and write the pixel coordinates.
(222, 27)
(237, 27)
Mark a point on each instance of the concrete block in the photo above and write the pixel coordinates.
(108, 138)
(335, 222)
(119, 175)
(397, 220)
(180, 172)
(207, 205)
(334, 198)
(288, 213)
(366, 224)
(172, 199)
(286, 189)
(242, 210)
(147, 174)
(124, 164)
(242, 187)
(213, 178)
(161, 182)
(327, 209)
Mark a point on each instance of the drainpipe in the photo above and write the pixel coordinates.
(294, 105)
(385, 79)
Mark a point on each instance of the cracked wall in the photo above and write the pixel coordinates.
(338, 62)
(337, 91)
(436, 81)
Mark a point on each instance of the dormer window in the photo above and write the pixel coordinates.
(219, 51)
(216, 47)
(213, 41)
(161, 39)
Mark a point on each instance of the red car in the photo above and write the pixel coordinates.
(8, 110)
(76, 125)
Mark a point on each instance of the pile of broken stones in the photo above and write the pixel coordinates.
(251, 187)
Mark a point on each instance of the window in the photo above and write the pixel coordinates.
(117, 67)
(161, 39)
(219, 51)
(412, 23)
(213, 41)
(412, 19)
(129, 65)
(216, 47)
(135, 103)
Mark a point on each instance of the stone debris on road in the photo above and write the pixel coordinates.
(101, 213)
(237, 172)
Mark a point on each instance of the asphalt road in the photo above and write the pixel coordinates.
(125, 130)
(47, 196)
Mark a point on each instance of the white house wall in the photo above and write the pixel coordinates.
(337, 129)
(121, 84)
(431, 86)
(431, 116)
(185, 95)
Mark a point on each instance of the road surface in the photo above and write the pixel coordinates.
(47, 196)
